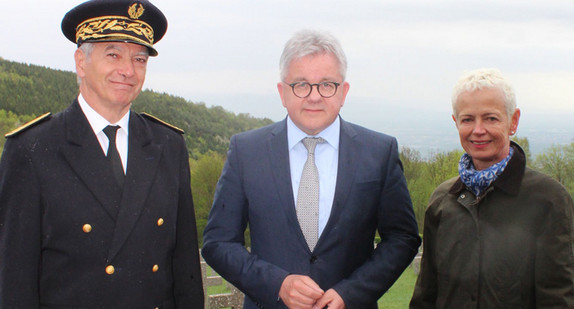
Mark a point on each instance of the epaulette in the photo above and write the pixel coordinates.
(28, 125)
(155, 119)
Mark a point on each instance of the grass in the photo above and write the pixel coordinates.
(397, 297)
(216, 289)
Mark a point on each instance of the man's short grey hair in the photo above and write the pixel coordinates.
(311, 42)
(488, 78)
(87, 49)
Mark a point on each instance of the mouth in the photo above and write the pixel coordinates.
(122, 84)
(480, 143)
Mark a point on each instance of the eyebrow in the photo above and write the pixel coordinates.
(480, 115)
(325, 79)
(112, 46)
(143, 53)
(120, 48)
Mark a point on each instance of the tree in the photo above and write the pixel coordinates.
(558, 163)
(412, 162)
(423, 176)
(205, 172)
(442, 166)
(34, 90)
(523, 142)
(10, 121)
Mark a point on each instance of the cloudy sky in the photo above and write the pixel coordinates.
(404, 55)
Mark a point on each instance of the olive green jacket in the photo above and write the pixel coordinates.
(512, 247)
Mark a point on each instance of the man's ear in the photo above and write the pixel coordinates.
(80, 59)
(280, 90)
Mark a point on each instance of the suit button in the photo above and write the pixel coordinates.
(87, 228)
(313, 259)
(110, 269)
(160, 222)
(155, 268)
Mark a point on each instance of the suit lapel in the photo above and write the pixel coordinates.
(143, 160)
(84, 154)
(349, 152)
(280, 167)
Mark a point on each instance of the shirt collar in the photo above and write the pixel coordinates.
(97, 122)
(330, 134)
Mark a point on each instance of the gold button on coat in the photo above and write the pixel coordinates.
(110, 269)
(155, 268)
(87, 228)
(160, 222)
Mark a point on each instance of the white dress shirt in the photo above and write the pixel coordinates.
(326, 159)
(98, 123)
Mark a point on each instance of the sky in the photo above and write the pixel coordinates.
(404, 57)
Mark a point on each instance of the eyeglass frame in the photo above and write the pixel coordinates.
(292, 85)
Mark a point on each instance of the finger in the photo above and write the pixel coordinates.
(298, 290)
(321, 303)
(331, 299)
(312, 286)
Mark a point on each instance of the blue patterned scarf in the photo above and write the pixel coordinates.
(478, 181)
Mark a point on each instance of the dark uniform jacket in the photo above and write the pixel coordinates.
(70, 238)
(510, 248)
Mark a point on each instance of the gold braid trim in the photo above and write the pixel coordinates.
(28, 124)
(114, 27)
(155, 119)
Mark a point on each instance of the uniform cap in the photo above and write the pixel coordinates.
(133, 21)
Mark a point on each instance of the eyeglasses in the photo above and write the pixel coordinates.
(303, 89)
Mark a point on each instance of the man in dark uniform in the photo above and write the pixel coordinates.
(96, 208)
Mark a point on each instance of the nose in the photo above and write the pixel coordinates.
(314, 96)
(479, 128)
(126, 68)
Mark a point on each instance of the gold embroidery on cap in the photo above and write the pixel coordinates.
(114, 26)
(136, 10)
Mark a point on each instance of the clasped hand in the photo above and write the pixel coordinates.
(301, 292)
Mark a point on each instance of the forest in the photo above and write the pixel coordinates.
(27, 91)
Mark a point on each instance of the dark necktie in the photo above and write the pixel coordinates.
(113, 154)
(308, 195)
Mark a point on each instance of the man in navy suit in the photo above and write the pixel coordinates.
(326, 257)
(93, 217)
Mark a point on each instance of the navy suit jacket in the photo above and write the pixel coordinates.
(255, 190)
(55, 179)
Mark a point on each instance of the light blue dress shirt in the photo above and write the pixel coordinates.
(326, 159)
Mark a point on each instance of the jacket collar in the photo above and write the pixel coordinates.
(509, 181)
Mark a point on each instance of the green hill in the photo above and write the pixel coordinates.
(30, 90)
